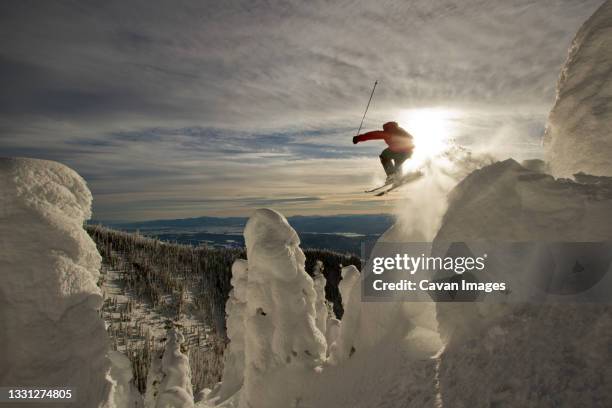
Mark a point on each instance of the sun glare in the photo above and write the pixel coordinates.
(432, 129)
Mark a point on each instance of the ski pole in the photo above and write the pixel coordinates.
(367, 107)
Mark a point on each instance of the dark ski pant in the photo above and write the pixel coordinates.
(392, 161)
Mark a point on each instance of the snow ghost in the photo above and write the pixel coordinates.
(281, 336)
(321, 304)
(169, 378)
(50, 329)
(233, 367)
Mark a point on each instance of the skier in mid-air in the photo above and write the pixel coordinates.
(399, 150)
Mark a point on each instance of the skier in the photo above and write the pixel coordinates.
(399, 150)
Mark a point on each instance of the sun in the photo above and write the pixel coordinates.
(432, 129)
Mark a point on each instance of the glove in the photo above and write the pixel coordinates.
(355, 140)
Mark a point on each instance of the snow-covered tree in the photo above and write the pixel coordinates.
(50, 329)
(233, 369)
(123, 394)
(320, 303)
(281, 337)
(169, 379)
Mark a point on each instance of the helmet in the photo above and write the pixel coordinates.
(390, 126)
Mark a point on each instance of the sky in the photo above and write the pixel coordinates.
(174, 109)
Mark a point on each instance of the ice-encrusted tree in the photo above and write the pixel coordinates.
(281, 337)
(50, 329)
(169, 379)
(320, 303)
(342, 347)
(233, 368)
(124, 393)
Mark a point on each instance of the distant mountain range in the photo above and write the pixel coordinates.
(343, 233)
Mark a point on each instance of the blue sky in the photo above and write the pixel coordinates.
(175, 109)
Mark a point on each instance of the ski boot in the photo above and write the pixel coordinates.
(391, 178)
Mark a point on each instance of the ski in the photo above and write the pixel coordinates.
(401, 182)
(378, 188)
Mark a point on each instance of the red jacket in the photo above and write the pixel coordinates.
(396, 138)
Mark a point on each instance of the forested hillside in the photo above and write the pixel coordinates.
(150, 285)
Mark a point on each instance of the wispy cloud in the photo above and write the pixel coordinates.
(161, 101)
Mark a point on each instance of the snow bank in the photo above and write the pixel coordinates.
(374, 333)
(526, 354)
(382, 355)
(50, 330)
(282, 342)
(169, 379)
(367, 325)
(578, 137)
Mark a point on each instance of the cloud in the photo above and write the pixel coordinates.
(219, 62)
(234, 97)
